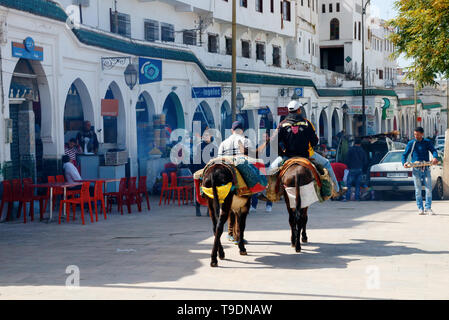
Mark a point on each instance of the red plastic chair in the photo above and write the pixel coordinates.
(98, 196)
(117, 195)
(178, 189)
(7, 198)
(132, 196)
(166, 189)
(29, 197)
(17, 192)
(142, 190)
(83, 199)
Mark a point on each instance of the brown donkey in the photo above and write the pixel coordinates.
(218, 175)
(296, 176)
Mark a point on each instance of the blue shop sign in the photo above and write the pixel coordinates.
(206, 92)
(299, 92)
(150, 70)
(264, 111)
(27, 50)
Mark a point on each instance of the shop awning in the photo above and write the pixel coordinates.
(428, 106)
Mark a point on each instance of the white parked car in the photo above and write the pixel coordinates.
(439, 141)
(390, 176)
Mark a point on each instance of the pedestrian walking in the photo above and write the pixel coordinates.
(419, 149)
(356, 160)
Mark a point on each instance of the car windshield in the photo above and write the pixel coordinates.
(394, 157)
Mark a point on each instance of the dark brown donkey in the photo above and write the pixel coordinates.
(215, 176)
(296, 176)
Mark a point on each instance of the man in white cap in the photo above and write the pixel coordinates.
(297, 137)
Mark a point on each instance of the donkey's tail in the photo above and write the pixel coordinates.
(216, 200)
(298, 194)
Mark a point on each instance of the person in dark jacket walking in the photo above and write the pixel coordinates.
(356, 160)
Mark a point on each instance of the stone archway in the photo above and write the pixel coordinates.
(323, 127)
(173, 111)
(29, 92)
(114, 128)
(78, 108)
(225, 118)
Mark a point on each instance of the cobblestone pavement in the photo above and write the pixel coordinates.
(357, 250)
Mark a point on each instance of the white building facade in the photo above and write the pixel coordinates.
(63, 63)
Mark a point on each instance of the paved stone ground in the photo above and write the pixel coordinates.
(357, 250)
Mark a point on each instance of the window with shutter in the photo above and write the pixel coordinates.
(189, 37)
(276, 56)
(260, 51)
(120, 23)
(212, 43)
(167, 32)
(151, 30)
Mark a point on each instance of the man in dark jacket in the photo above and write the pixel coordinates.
(356, 160)
(296, 138)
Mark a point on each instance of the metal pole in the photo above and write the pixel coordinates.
(416, 106)
(363, 72)
(234, 61)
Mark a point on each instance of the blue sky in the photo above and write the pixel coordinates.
(385, 7)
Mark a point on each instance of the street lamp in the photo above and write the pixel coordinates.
(295, 96)
(131, 75)
(240, 101)
(363, 67)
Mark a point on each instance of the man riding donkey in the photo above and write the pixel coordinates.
(293, 174)
(296, 138)
(228, 182)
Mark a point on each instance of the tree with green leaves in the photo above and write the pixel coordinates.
(422, 35)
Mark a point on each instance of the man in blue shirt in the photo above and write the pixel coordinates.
(419, 148)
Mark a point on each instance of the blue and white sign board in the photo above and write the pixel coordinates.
(264, 111)
(206, 92)
(150, 70)
(27, 50)
(299, 92)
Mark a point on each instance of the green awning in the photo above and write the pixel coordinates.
(409, 102)
(429, 106)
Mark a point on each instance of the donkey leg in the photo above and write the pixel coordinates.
(304, 218)
(213, 218)
(298, 222)
(291, 220)
(242, 224)
(232, 235)
(217, 244)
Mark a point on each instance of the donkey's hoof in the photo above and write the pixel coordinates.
(221, 256)
(298, 250)
(304, 240)
(214, 264)
(243, 253)
(293, 245)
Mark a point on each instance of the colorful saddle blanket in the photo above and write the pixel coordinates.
(249, 174)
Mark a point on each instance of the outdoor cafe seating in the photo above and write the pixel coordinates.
(23, 192)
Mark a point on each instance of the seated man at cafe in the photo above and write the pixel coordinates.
(71, 173)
